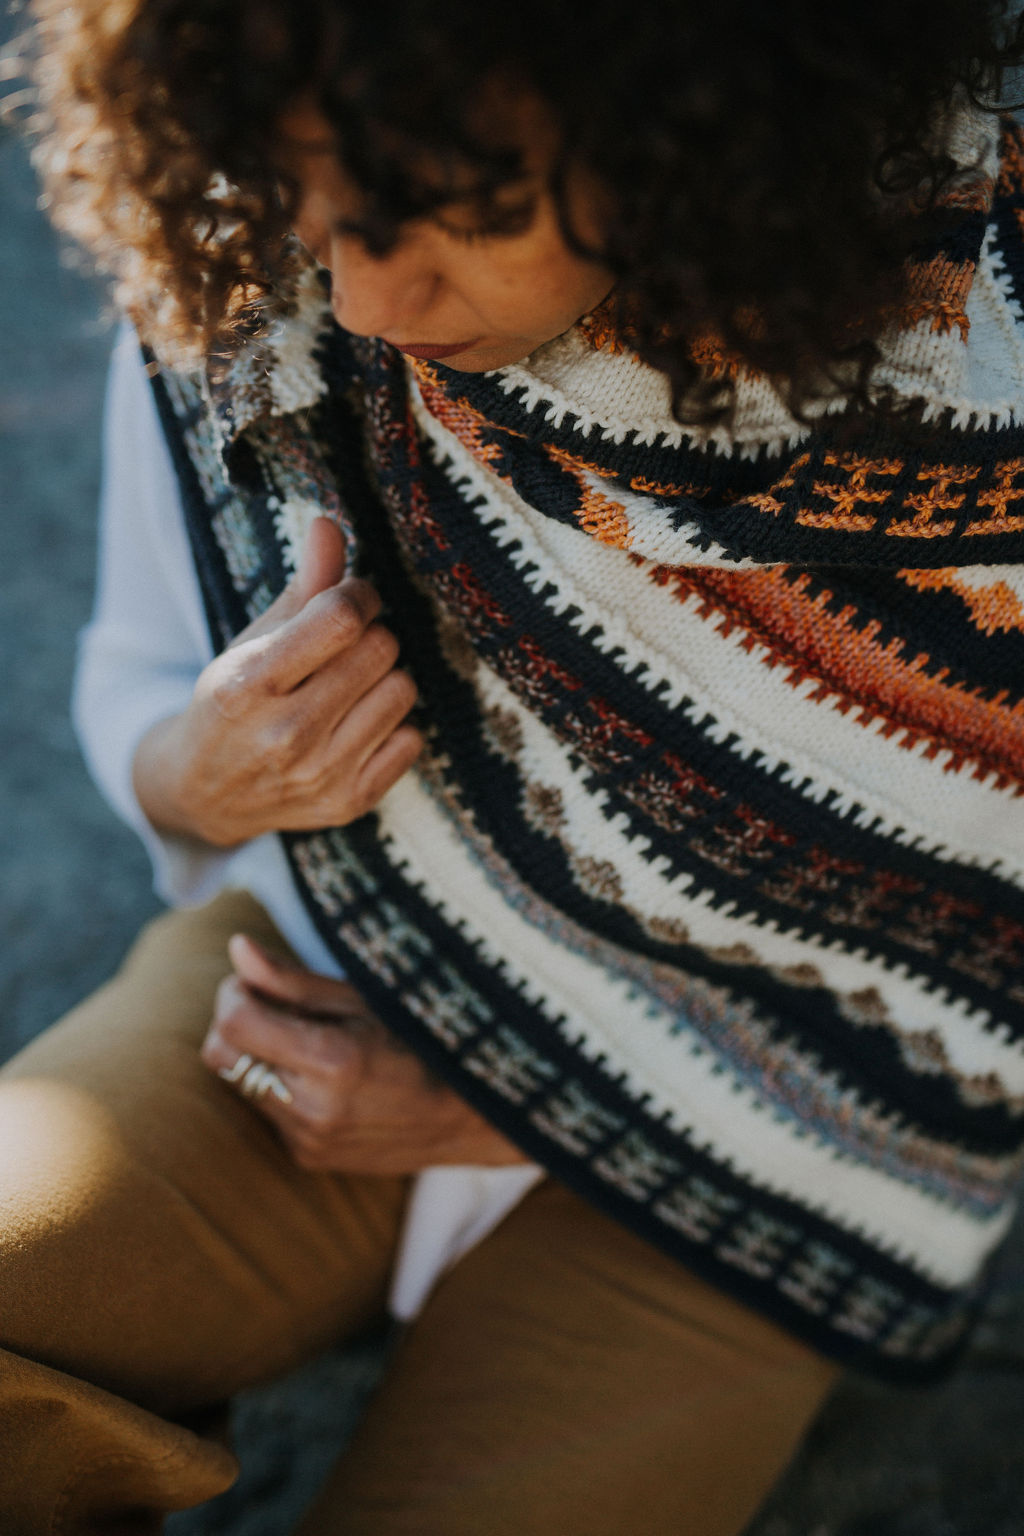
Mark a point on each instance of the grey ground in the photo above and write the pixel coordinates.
(74, 888)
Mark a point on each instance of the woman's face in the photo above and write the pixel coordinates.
(445, 291)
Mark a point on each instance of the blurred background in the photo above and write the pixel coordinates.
(75, 887)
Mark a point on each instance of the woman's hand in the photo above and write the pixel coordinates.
(297, 725)
(353, 1099)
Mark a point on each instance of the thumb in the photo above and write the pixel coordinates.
(255, 966)
(321, 565)
(320, 997)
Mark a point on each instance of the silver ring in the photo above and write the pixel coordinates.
(254, 1079)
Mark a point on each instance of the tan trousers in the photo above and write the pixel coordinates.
(159, 1251)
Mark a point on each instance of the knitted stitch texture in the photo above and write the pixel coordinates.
(709, 887)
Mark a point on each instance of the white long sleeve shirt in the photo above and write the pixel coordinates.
(138, 661)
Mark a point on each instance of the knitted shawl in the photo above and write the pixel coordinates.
(708, 889)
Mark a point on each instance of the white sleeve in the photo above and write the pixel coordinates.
(142, 651)
(138, 660)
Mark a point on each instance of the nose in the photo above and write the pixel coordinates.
(388, 295)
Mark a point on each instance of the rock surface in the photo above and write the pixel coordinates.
(75, 887)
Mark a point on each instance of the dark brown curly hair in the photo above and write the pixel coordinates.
(767, 166)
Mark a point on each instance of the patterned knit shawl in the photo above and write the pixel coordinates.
(708, 888)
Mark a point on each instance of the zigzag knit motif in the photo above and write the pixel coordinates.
(709, 887)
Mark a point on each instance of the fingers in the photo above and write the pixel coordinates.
(323, 561)
(343, 680)
(368, 723)
(321, 565)
(245, 1024)
(386, 766)
(331, 622)
(320, 613)
(304, 991)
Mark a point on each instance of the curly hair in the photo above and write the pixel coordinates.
(766, 170)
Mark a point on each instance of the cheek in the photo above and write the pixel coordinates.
(566, 281)
(570, 290)
(549, 292)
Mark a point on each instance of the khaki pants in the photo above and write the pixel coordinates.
(159, 1251)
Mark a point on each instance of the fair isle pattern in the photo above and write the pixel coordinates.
(709, 889)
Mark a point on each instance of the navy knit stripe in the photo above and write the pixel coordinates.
(799, 1243)
(812, 824)
(948, 642)
(588, 1121)
(385, 995)
(747, 531)
(866, 1057)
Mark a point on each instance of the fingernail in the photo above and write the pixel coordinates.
(243, 938)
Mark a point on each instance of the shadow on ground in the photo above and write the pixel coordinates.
(75, 887)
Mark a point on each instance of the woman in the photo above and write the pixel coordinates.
(595, 843)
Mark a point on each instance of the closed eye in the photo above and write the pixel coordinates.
(496, 222)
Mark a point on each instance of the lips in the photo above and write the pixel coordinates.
(432, 352)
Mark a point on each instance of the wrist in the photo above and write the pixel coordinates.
(160, 779)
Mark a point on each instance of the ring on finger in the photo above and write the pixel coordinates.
(254, 1079)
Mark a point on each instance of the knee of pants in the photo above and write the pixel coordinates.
(61, 1168)
(105, 1262)
(135, 1252)
(105, 1266)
